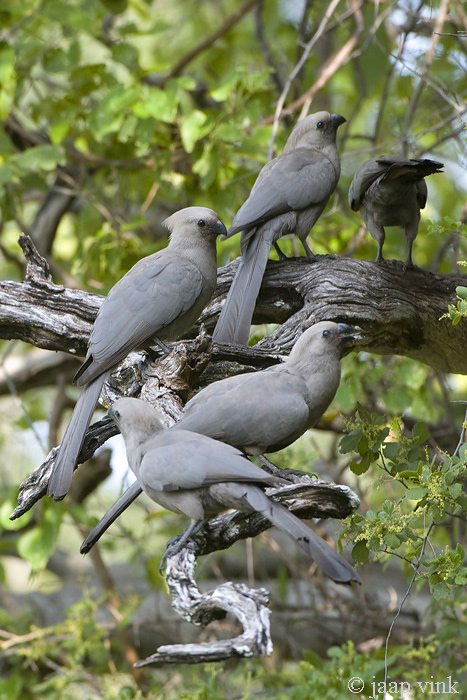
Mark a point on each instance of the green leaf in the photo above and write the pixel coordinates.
(59, 129)
(115, 6)
(126, 54)
(362, 466)
(388, 507)
(392, 540)
(5, 511)
(437, 513)
(349, 442)
(461, 292)
(44, 158)
(158, 104)
(313, 659)
(10, 688)
(37, 544)
(8, 174)
(194, 126)
(109, 114)
(441, 591)
(391, 450)
(416, 493)
(56, 61)
(360, 552)
(455, 490)
(420, 432)
(7, 79)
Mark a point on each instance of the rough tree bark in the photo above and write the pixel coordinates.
(399, 313)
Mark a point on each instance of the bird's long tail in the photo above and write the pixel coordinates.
(67, 457)
(234, 321)
(331, 563)
(110, 517)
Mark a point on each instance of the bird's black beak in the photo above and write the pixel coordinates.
(219, 228)
(347, 333)
(337, 120)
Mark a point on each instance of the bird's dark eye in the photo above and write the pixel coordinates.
(201, 223)
(320, 125)
(116, 413)
(326, 334)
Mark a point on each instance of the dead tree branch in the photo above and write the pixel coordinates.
(399, 311)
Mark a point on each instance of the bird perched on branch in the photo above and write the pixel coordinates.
(193, 475)
(159, 299)
(390, 191)
(262, 411)
(289, 195)
(265, 411)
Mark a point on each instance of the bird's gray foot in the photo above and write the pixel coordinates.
(410, 265)
(309, 253)
(158, 351)
(179, 542)
(280, 253)
(292, 475)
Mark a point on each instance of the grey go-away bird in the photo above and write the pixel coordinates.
(289, 195)
(264, 411)
(159, 299)
(193, 475)
(390, 191)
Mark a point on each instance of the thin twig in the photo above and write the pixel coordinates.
(264, 46)
(462, 435)
(386, 646)
(288, 83)
(440, 19)
(209, 40)
(330, 68)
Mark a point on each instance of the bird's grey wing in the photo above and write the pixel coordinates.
(365, 176)
(180, 460)
(256, 409)
(389, 168)
(294, 180)
(154, 293)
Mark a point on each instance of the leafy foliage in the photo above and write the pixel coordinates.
(432, 492)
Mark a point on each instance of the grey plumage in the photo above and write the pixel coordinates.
(390, 191)
(289, 195)
(160, 298)
(267, 410)
(193, 475)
